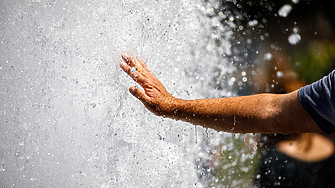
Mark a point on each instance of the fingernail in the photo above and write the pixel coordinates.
(133, 90)
(124, 55)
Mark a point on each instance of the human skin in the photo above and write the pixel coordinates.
(261, 113)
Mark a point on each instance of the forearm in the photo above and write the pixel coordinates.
(233, 114)
(262, 113)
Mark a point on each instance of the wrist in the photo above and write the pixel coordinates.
(172, 107)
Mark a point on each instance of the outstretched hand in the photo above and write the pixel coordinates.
(155, 97)
(262, 113)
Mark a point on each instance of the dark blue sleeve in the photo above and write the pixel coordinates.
(318, 99)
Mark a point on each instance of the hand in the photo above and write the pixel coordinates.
(154, 97)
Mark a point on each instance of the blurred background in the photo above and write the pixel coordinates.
(277, 47)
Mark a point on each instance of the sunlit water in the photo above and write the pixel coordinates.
(66, 117)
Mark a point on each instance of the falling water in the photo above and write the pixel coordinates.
(67, 119)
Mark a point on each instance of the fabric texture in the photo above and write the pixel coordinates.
(318, 99)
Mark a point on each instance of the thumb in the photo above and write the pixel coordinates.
(139, 93)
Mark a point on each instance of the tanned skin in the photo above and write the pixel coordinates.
(261, 113)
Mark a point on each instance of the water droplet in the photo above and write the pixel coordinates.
(297, 64)
(133, 69)
(294, 38)
(296, 30)
(280, 74)
(252, 23)
(285, 10)
(262, 37)
(21, 144)
(253, 72)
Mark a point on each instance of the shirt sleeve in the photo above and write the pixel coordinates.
(318, 99)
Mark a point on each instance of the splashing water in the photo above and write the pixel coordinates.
(285, 10)
(67, 118)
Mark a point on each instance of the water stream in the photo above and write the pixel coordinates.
(66, 117)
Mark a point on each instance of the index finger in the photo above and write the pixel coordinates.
(127, 58)
(134, 62)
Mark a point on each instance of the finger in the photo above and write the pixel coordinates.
(124, 66)
(130, 60)
(138, 63)
(125, 57)
(127, 68)
(139, 93)
(135, 75)
(143, 64)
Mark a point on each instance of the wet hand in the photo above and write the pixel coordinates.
(155, 97)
